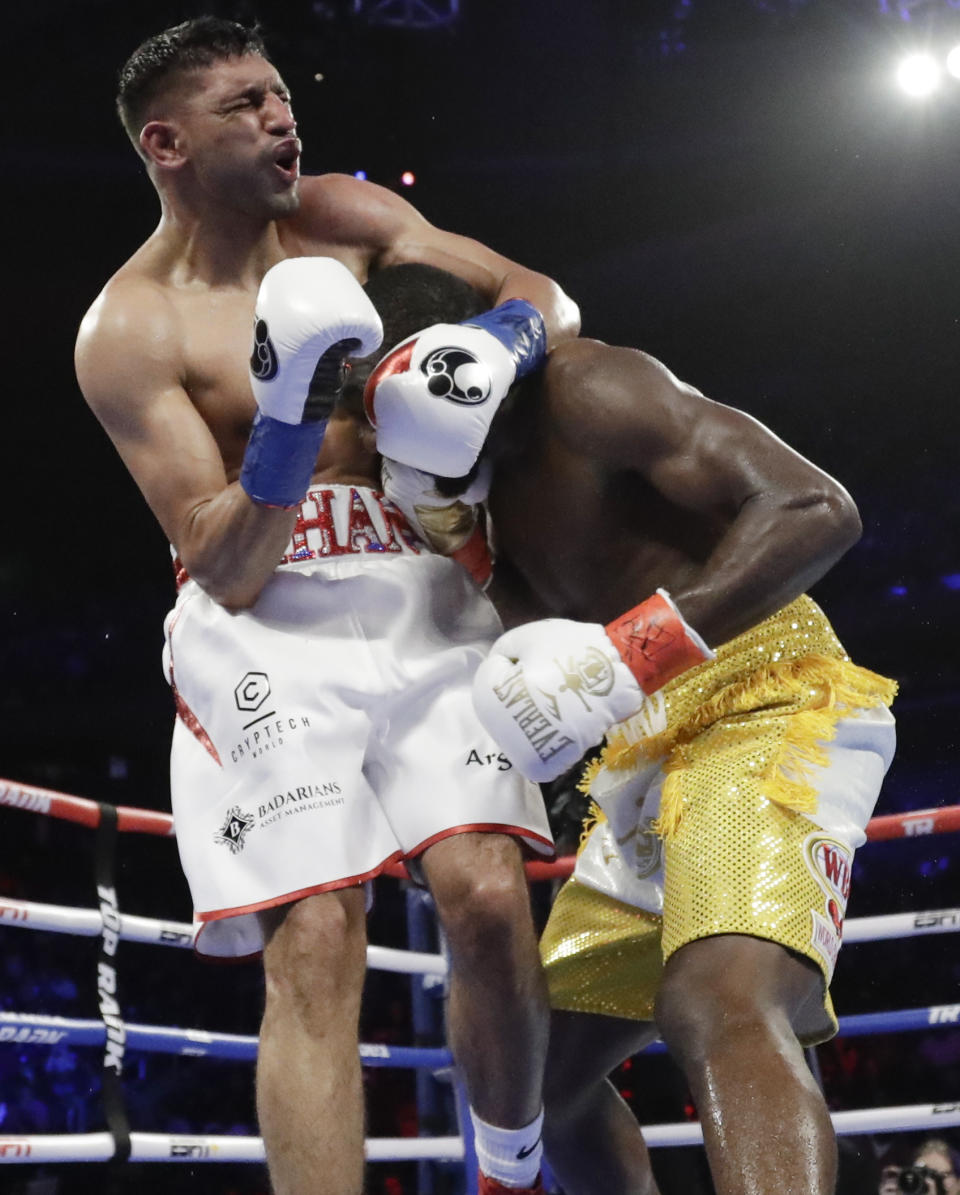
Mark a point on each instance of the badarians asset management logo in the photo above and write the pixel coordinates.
(236, 826)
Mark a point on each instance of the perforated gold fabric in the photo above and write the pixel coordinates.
(601, 955)
(789, 677)
(742, 732)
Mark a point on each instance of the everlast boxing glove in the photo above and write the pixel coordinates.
(451, 526)
(550, 690)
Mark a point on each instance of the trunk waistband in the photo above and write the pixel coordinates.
(341, 520)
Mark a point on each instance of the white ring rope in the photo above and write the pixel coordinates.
(163, 1147)
(145, 1147)
(26, 914)
(167, 1147)
(88, 923)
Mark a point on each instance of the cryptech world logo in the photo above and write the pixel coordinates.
(265, 731)
(252, 692)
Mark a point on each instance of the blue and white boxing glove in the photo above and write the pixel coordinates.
(311, 315)
(433, 397)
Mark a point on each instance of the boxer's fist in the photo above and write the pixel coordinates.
(550, 690)
(311, 315)
(451, 526)
(433, 398)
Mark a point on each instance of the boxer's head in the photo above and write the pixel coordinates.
(412, 296)
(202, 102)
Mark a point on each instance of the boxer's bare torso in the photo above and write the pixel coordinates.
(615, 479)
(162, 354)
(205, 327)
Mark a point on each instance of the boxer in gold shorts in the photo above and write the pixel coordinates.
(742, 754)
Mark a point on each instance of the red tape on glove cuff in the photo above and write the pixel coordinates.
(474, 555)
(652, 639)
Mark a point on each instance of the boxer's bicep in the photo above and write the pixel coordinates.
(131, 382)
(627, 411)
(390, 231)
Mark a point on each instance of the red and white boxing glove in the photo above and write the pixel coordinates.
(433, 397)
(451, 526)
(311, 315)
(550, 690)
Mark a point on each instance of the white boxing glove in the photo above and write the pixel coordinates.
(311, 315)
(451, 526)
(433, 397)
(550, 690)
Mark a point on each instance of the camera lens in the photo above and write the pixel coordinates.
(912, 1181)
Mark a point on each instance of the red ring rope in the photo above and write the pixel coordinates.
(84, 812)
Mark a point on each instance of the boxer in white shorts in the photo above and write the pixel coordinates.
(329, 729)
(224, 443)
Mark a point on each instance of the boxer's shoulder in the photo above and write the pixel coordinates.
(343, 217)
(595, 394)
(131, 305)
(132, 328)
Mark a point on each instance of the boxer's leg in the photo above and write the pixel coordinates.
(497, 1015)
(309, 1093)
(591, 1137)
(726, 1008)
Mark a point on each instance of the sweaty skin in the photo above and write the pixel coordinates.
(613, 479)
(162, 354)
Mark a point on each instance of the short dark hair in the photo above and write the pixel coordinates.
(412, 296)
(192, 45)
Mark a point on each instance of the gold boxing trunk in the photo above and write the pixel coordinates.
(734, 806)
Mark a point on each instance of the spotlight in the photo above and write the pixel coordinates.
(408, 178)
(953, 62)
(360, 174)
(919, 75)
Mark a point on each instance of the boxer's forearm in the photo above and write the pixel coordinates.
(561, 316)
(231, 545)
(775, 549)
(311, 315)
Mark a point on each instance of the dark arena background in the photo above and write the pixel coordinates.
(746, 189)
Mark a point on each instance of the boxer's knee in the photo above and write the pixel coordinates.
(480, 892)
(315, 953)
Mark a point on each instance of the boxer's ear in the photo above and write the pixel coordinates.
(160, 144)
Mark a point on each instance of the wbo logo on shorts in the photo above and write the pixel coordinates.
(830, 862)
(237, 825)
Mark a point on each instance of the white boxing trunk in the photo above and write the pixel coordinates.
(329, 729)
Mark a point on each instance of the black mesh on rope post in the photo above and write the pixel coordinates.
(114, 1104)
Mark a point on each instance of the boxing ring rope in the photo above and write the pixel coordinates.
(39, 1030)
(88, 923)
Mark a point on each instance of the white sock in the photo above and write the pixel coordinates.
(511, 1156)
